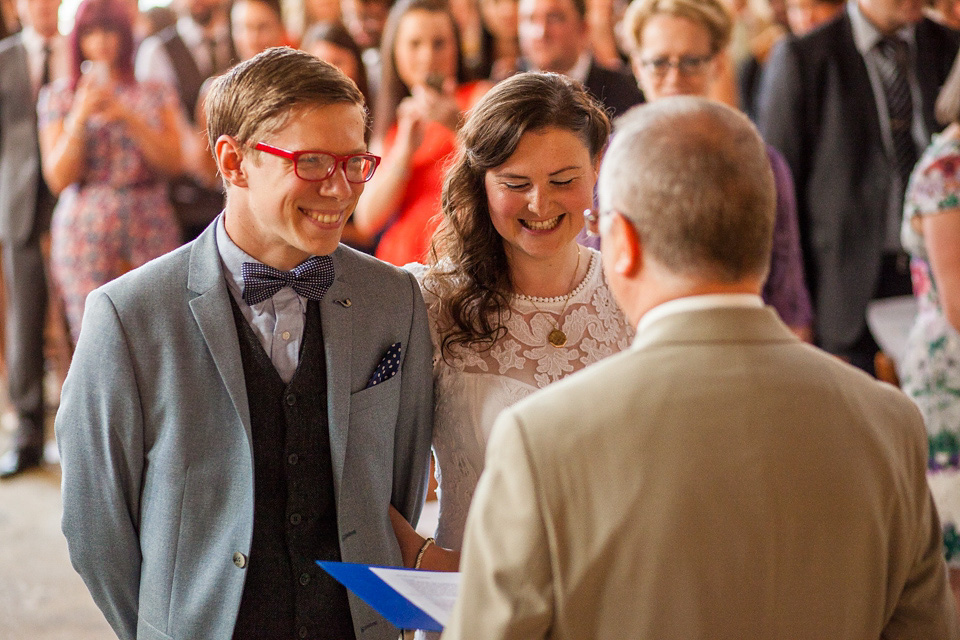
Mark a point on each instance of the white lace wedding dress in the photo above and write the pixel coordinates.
(472, 388)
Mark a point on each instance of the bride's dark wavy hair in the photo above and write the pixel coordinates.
(468, 265)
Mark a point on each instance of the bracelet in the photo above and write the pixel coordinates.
(423, 549)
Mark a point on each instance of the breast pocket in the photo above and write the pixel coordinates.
(384, 396)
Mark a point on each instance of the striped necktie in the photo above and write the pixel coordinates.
(892, 65)
(45, 65)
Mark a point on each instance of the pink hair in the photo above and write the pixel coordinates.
(108, 15)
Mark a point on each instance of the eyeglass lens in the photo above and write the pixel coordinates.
(687, 65)
(319, 166)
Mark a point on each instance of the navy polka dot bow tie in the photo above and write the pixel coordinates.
(310, 279)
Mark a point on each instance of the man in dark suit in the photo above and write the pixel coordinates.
(555, 36)
(850, 106)
(27, 61)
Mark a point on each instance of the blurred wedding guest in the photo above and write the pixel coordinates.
(256, 25)
(515, 304)
(153, 21)
(331, 42)
(365, 20)
(804, 16)
(850, 107)
(108, 144)
(423, 94)
(756, 30)
(929, 373)
(9, 23)
(320, 11)
(555, 36)
(28, 61)
(676, 46)
(720, 479)
(499, 46)
(198, 47)
(603, 18)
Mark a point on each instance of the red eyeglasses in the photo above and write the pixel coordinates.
(316, 166)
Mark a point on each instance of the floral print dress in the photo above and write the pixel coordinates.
(930, 372)
(118, 215)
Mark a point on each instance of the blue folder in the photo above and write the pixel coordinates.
(402, 613)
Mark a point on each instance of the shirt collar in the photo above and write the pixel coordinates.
(699, 303)
(193, 34)
(34, 42)
(232, 257)
(865, 33)
(580, 70)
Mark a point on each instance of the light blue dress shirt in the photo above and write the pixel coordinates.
(278, 321)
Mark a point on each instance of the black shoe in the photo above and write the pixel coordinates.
(16, 461)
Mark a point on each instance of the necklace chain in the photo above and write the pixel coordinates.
(557, 337)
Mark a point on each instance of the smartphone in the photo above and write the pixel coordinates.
(98, 71)
(436, 80)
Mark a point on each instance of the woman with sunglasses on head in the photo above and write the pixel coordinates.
(422, 96)
(514, 302)
(108, 143)
(676, 48)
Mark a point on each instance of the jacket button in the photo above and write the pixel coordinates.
(291, 399)
(239, 559)
(295, 519)
(302, 632)
(304, 579)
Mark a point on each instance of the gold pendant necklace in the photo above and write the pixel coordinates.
(557, 337)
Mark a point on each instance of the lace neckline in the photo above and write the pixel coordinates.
(567, 296)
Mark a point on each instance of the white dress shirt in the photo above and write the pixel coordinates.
(153, 63)
(33, 42)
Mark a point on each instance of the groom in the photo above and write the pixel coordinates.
(257, 399)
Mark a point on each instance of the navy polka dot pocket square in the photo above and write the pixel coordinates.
(388, 367)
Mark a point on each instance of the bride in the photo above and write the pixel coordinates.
(514, 302)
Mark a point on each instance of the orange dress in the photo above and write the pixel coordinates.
(407, 238)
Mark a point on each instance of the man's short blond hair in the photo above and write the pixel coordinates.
(257, 97)
(711, 14)
(693, 177)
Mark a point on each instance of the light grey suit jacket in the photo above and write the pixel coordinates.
(155, 444)
(720, 480)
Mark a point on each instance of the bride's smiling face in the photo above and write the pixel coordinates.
(537, 197)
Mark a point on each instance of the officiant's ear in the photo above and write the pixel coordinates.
(230, 160)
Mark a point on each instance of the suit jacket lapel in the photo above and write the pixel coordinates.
(337, 318)
(212, 312)
(930, 69)
(858, 92)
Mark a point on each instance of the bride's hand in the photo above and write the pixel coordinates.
(410, 541)
(434, 558)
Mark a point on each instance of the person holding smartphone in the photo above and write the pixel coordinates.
(422, 96)
(107, 144)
